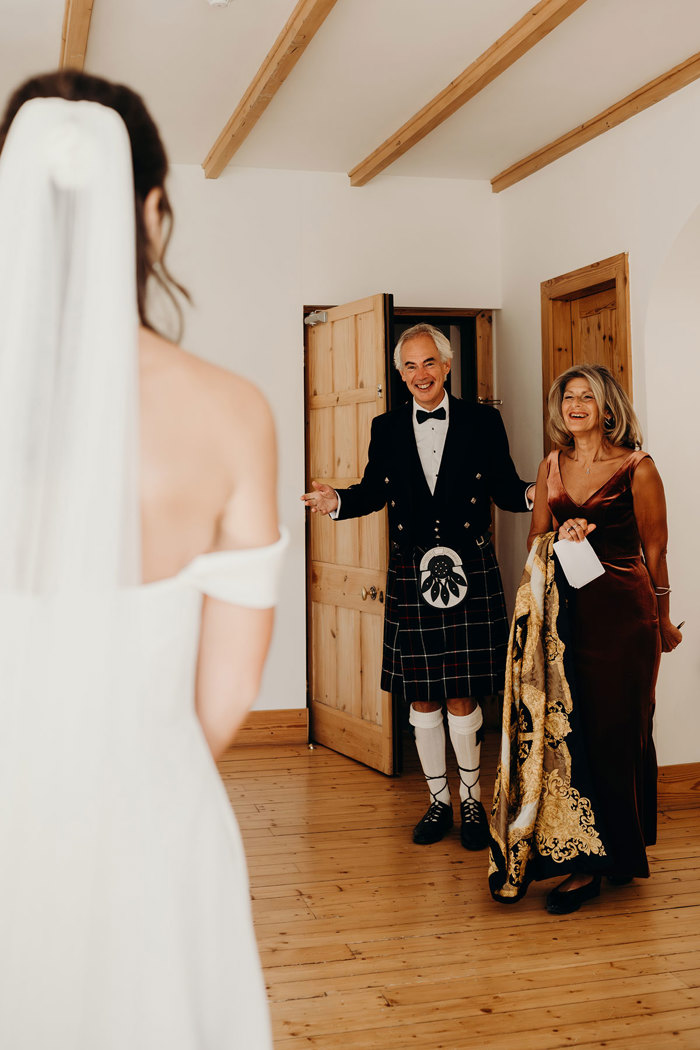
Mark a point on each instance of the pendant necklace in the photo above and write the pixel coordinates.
(587, 469)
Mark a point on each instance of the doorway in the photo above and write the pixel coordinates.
(470, 336)
(350, 378)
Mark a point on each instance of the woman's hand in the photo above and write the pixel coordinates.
(575, 529)
(670, 635)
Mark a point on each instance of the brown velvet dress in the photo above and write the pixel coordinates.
(615, 631)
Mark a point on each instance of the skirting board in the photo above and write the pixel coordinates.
(679, 786)
(288, 726)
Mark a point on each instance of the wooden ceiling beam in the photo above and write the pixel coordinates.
(648, 95)
(302, 25)
(76, 29)
(517, 41)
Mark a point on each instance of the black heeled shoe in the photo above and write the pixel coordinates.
(563, 902)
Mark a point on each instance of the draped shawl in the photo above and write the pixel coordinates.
(542, 820)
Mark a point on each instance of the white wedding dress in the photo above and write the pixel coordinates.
(125, 919)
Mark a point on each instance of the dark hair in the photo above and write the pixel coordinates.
(150, 163)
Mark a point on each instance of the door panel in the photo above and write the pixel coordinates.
(563, 357)
(345, 390)
(585, 320)
(593, 323)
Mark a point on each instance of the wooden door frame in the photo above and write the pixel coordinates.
(608, 273)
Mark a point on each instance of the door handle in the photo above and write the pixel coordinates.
(372, 592)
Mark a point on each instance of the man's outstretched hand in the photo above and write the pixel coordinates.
(322, 500)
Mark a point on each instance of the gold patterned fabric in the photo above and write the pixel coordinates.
(542, 819)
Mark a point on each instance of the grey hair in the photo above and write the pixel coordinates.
(442, 343)
(617, 417)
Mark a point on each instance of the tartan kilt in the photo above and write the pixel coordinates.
(443, 654)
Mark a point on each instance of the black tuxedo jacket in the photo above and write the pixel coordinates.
(475, 468)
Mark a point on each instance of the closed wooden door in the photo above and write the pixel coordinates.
(585, 320)
(346, 389)
(593, 322)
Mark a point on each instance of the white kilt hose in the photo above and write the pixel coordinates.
(443, 654)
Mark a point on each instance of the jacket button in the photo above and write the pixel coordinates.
(478, 477)
(437, 521)
(400, 527)
(467, 524)
(393, 503)
(386, 481)
(473, 499)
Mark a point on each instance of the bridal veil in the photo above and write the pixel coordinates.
(68, 352)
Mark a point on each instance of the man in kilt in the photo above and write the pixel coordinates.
(436, 462)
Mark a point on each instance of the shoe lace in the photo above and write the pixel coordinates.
(433, 794)
(471, 809)
(465, 782)
(434, 812)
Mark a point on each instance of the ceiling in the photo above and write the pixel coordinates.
(370, 67)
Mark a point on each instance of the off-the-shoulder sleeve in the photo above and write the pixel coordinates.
(243, 577)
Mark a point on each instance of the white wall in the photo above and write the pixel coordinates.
(255, 246)
(633, 189)
(672, 341)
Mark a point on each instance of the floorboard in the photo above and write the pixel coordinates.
(371, 943)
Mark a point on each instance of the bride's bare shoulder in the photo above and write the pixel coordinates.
(194, 385)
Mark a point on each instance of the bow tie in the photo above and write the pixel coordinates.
(439, 413)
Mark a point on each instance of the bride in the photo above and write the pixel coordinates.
(139, 551)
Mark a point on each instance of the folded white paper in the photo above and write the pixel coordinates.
(579, 562)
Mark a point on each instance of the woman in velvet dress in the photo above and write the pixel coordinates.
(602, 486)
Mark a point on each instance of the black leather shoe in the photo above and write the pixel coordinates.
(434, 825)
(620, 880)
(562, 902)
(474, 833)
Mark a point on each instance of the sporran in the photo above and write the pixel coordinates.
(443, 582)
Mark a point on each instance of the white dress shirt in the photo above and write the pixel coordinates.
(430, 440)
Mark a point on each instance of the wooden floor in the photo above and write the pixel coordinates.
(369, 942)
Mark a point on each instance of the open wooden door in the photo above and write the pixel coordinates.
(346, 389)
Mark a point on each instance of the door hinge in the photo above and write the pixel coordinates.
(316, 317)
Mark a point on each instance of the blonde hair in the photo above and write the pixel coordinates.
(615, 413)
(442, 343)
